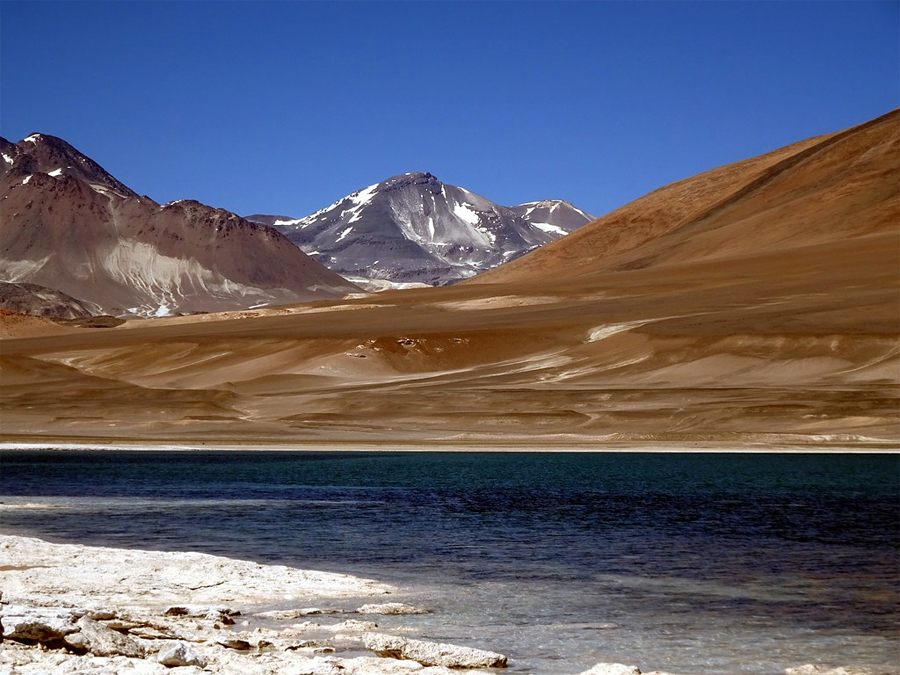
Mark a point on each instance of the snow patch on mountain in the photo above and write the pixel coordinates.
(550, 228)
(364, 196)
(105, 191)
(289, 223)
(466, 213)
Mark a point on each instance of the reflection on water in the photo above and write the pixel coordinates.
(695, 563)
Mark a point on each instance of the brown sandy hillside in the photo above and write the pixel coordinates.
(756, 303)
(824, 189)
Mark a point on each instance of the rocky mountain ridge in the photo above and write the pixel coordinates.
(414, 229)
(36, 300)
(69, 225)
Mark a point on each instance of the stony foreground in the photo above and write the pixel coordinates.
(77, 610)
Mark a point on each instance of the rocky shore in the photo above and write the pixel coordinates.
(81, 610)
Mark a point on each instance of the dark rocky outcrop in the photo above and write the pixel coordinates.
(39, 300)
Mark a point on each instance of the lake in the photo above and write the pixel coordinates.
(719, 563)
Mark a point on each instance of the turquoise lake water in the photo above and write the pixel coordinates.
(692, 563)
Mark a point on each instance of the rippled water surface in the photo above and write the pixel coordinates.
(693, 563)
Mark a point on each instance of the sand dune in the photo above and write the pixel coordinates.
(756, 303)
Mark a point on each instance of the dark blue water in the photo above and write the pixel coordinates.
(704, 563)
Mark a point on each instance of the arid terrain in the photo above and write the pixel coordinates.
(755, 303)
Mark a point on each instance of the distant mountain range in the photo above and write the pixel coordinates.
(68, 225)
(415, 229)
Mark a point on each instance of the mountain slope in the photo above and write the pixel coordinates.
(756, 305)
(822, 189)
(69, 225)
(413, 228)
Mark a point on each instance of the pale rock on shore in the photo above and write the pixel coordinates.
(432, 653)
(60, 574)
(78, 610)
(612, 669)
(387, 608)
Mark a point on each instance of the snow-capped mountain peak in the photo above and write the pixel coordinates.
(414, 228)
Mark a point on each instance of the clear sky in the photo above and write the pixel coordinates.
(283, 107)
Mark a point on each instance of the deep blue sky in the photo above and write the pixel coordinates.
(283, 107)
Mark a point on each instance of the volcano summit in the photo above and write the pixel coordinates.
(414, 228)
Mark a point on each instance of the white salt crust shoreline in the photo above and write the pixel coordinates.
(85, 610)
(211, 611)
